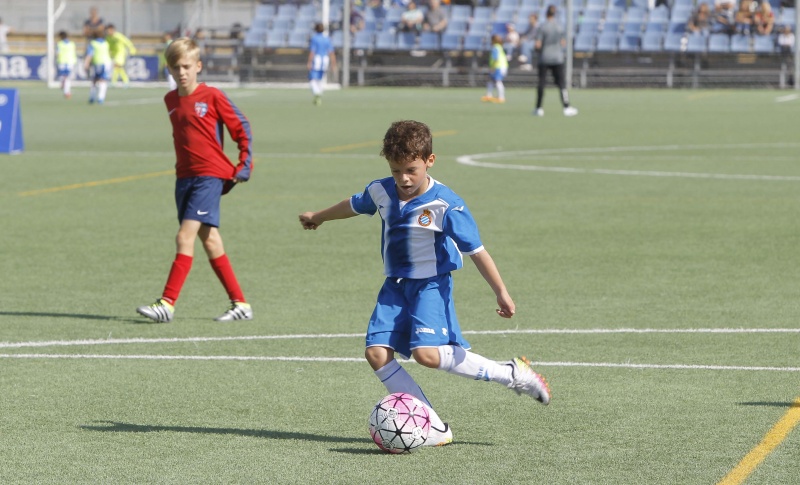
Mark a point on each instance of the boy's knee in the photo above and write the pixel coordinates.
(427, 356)
(378, 356)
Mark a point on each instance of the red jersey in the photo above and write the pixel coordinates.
(197, 122)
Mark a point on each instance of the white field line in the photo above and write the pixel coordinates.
(789, 97)
(475, 160)
(551, 331)
(607, 365)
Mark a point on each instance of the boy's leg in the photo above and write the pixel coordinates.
(102, 87)
(212, 243)
(182, 264)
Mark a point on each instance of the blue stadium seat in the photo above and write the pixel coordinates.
(505, 16)
(677, 28)
(265, 10)
(595, 5)
(787, 17)
(589, 28)
(406, 41)
(499, 28)
(635, 14)
(385, 41)
(719, 43)
(583, 42)
(509, 4)
(659, 14)
(680, 15)
(276, 38)
(632, 28)
(740, 43)
(456, 26)
(611, 27)
(337, 39)
(474, 43)
(255, 38)
(480, 26)
(485, 13)
(460, 12)
(672, 42)
(530, 5)
(629, 42)
(298, 38)
(655, 27)
(763, 44)
(651, 41)
(607, 42)
(429, 41)
(362, 40)
(284, 24)
(615, 15)
(287, 11)
(451, 42)
(591, 16)
(682, 4)
(697, 44)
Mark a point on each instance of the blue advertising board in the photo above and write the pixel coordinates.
(10, 122)
(33, 68)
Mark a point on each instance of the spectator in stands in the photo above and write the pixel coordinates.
(4, 31)
(90, 25)
(744, 17)
(530, 32)
(764, 19)
(357, 21)
(378, 10)
(786, 41)
(435, 18)
(724, 17)
(511, 41)
(237, 31)
(700, 21)
(550, 43)
(321, 56)
(411, 19)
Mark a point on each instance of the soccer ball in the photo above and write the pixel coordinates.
(399, 423)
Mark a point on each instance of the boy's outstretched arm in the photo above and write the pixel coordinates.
(342, 210)
(488, 270)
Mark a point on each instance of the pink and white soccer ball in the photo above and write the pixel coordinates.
(399, 423)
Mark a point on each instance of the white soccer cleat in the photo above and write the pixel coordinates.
(570, 111)
(238, 310)
(159, 312)
(526, 381)
(438, 437)
(538, 112)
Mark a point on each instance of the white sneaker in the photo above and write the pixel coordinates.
(438, 437)
(527, 381)
(538, 112)
(237, 311)
(570, 111)
(159, 312)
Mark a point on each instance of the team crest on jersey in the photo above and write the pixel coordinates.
(425, 219)
(201, 109)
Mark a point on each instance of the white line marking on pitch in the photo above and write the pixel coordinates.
(790, 97)
(474, 160)
(361, 359)
(551, 331)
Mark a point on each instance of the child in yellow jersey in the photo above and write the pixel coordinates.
(66, 58)
(498, 67)
(98, 59)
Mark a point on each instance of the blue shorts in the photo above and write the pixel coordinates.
(497, 74)
(64, 70)
(413, 313)
(101, 72)
(197, 199)
(316, 75)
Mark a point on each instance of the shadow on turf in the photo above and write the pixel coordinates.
(81, 316)
(774, 404)
(116, 427)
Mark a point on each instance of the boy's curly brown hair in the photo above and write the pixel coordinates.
(406, 141)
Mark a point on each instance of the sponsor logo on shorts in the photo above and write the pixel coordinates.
(426, 330)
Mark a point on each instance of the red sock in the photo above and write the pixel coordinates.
(222, 267)
(177, 275)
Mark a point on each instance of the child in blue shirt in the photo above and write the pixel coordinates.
(426, 228)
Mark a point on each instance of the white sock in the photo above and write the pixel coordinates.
(316, 87)
(489, 87)
(396, 379)
(456, 360)
(501, 89)
(67, 85)
(101, 91)
(93, 92)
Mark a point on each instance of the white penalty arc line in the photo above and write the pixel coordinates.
(474, 160)
(551, 331)
(607, 365)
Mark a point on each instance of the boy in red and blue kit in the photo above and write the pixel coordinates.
(204, 173)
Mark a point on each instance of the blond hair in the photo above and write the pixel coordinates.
(179, 48)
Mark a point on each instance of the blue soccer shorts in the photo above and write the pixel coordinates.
(413, 313)
(101, 72)
(316, 75)
(197, 199)
(498, 74)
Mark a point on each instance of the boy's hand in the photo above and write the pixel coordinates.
(507, 307)
(307, 221)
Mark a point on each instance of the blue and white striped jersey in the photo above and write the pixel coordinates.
(423, 237)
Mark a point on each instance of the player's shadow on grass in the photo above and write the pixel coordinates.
(774, 404)
(79, 316)
(116, 427)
